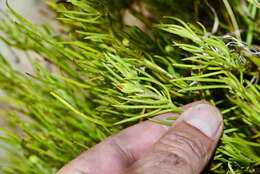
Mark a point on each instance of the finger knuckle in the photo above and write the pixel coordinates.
(183, 144)
(124, 154)
(172, 161)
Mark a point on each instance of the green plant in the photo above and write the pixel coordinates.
(109, 75)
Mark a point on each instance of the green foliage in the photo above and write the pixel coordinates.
(110, 75)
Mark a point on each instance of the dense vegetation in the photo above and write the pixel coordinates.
(109, 75)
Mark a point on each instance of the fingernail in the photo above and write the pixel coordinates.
(204, 117)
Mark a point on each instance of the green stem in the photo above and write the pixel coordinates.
(233, 19)
(250, 33)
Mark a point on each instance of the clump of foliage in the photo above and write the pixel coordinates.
(110, 75)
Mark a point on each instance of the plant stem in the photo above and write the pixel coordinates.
(233, 19)
(250, 32)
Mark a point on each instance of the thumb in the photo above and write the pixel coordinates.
(186, 147)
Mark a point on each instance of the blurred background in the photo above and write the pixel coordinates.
(31, 10)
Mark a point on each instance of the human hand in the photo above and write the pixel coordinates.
(152, 148)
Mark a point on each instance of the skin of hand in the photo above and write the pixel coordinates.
(152, 148)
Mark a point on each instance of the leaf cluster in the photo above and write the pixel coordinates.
(109, 75)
